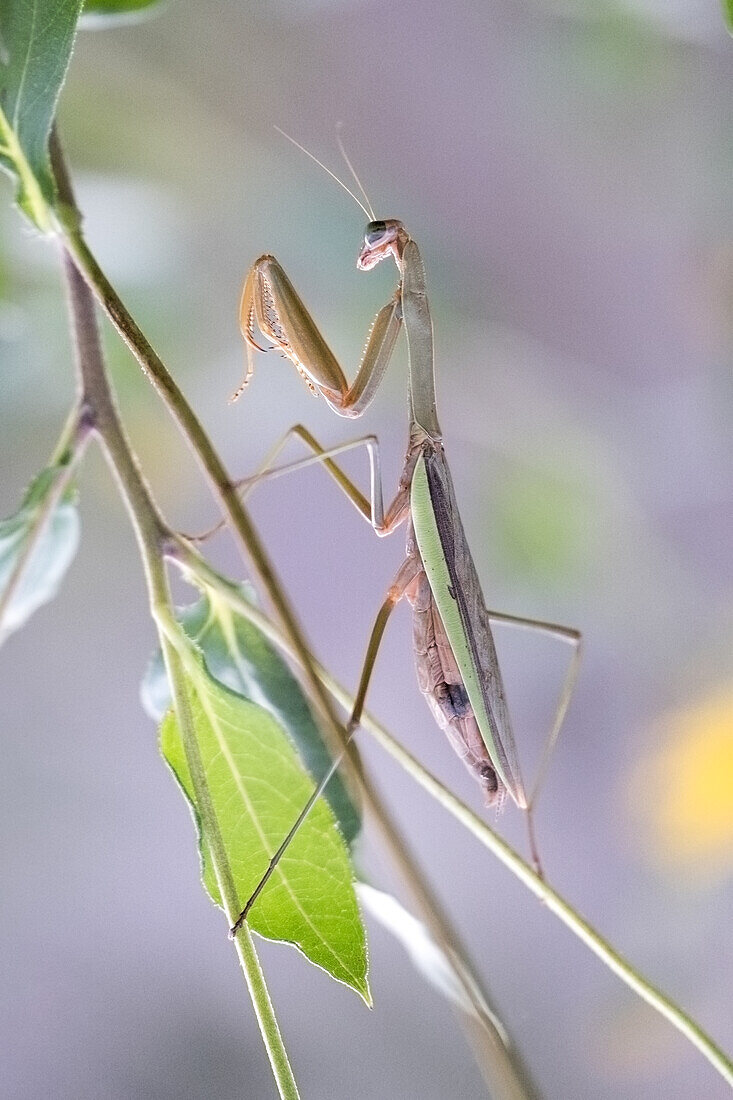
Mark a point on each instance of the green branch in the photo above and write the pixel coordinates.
(153, 537)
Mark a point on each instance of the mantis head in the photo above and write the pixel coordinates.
(382, 239)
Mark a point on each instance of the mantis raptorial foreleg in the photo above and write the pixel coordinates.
(271, 300)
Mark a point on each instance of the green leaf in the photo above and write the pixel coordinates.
(257, 788)
(111, 12)
(728, 14)
(238, 655)
(37, 545)
(36, 39)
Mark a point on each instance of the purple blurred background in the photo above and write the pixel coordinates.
(566, 168)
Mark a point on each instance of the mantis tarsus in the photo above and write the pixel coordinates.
(455, 656)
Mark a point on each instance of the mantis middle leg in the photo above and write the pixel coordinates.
(573, 637)
(372, 510)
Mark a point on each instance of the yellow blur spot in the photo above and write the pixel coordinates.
(685, 790)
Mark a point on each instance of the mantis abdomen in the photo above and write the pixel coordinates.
(470, 697)
(441, 683)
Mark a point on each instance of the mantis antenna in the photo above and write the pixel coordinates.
(328, 172)
(351, 168)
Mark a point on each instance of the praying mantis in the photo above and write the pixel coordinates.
(455, 655)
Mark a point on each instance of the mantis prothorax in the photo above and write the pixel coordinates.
(455, 655)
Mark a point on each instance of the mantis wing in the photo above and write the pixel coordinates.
(457, 592)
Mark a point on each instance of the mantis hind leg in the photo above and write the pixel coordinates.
(572, 637)
(405, 574)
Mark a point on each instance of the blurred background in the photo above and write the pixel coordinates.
(566, 168)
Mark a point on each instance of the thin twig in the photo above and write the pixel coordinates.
(153, 536)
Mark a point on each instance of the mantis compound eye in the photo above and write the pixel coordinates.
(374, 232)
